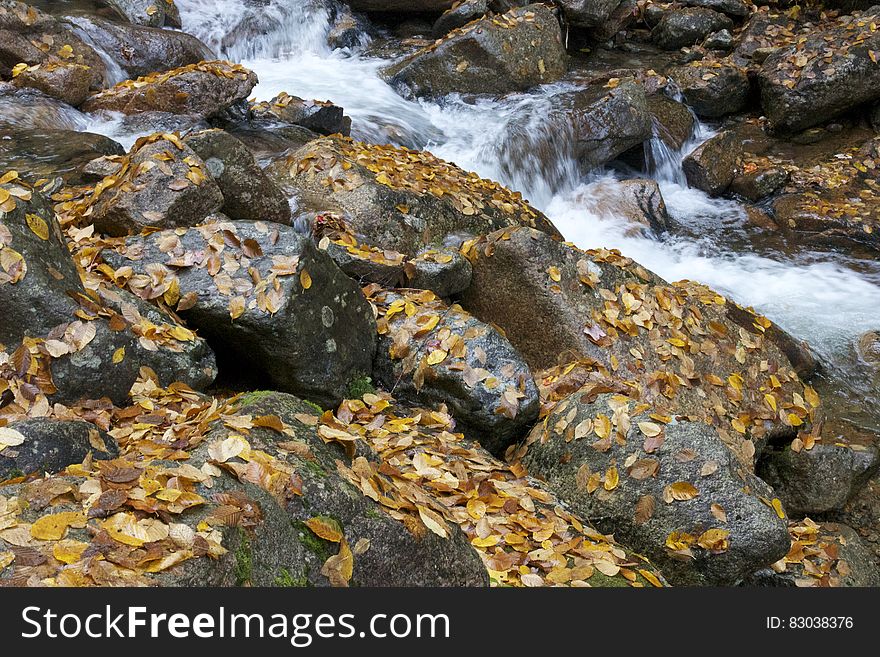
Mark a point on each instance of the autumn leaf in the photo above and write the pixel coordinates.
(433, 521)
(326, 527)
(38, 225)
(680, 490)
(714, 540)
(437, 356)
(719, 512)
(53, 527)
(236, 307)
(305, 279)
(10, 438)
(119, 355)
(650, 429)
(611, 478)
(644, 509)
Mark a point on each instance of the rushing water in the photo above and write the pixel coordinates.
(822, 297)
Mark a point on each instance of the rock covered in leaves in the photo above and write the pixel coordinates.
(162, 183)
(459, 15)
(68, 83)
(510, 52)
(712, 89)
(37, 446)
(825, 73)
(711, 166)
(818, 477)
(140, 50)
(397, 198)
(64, 344)
(29, 36)
(202, 89)
(685, 27)
(678, 346)
(825, 554)
(433, 353)
(248, 194)
(606, 120)
(322, 117)
(266, 294)
(664, 485)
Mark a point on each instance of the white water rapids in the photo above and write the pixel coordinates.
(822, 297)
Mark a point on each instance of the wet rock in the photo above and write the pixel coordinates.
(141, 12)
(46, 154)
(606, 122)
(712, 90)
(31, 109)
(720, 40)
(761, 35)
(248, 193)
(869, 348)
(686, 27)
(689, 505)
(459, 15)
(396, 198)
(463, 363)
(608, 311)
(68, 83)
(819, 479)
(29, 36)
(443, 271)
(152, 122)
(712, 166)
(804, 85)
(639, 202)
(139, 50)
(203, 90)
(827, 555)
(321, 117)
(80, 348)
(162, 183)
(512, 52)
(588, 13)
(758, 185)
(401, 6)
(52, 445)
(262, 294)
(735, 8)
(672, 120)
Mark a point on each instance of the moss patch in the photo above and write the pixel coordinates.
(317, 546)
(286, 580)
(360, 386)
(244, 560)
(249, 398)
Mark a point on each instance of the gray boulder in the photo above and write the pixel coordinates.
(687, 27)
(712, 91)
(711, 167)
(459, 15)
(52, 445)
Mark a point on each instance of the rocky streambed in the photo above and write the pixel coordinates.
(467, 293)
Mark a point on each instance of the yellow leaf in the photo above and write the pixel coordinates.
(18, 69)
(794, 420)
(433, 521)
(650, 429)
(305, 280)
(489, 541)
(326, 528)
(555, 274)
(476, 508)
(682, 490)
(119, 355)
(69, 551)
(776, 503)
(124, 528)
(612, 478)
(602, 426)
(811, 396)
(53, 527)
(236, 307)
(738, 425)
(437, 356)
(651, 577)
(66, 51)
(714, 540)
(38, 225)
(679, 541)
(6, 558)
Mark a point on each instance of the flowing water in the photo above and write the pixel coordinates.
(825, 298)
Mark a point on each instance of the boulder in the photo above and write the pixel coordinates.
(77, 347)
(248, 194)
(29, 36)
(401, 6)
(397, 198)
(606, 122)
(712, 166)
(713, 90)
(68, 83)
(323, 118)
(825, 554)
(50, 446)
(140, 50)
(621, 18)
(687, 27)
(735, 8)
(512, 52)
(674, 343)
(688, 504)
(162, 183)
(203, 90)
(263, 295)
(46, 154)
(142, 12)
(832, 70)
(759, 185)
(443, 271)
(672, 120)
(868, 348)
(638, 201)
(459, 15)
(587, 13)
(820, 479)
(431, 353)
(721, 40)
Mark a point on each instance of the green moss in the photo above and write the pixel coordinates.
(249, 398)
(244, 560)
(317, 546)
(285, 579)
(373, 512)
(15, 473)
(314, 406)
(315, 468)
(360, 386)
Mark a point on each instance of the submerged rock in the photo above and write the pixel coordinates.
(46, 154)
(512, 52)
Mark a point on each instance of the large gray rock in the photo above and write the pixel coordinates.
(673, 121)
(712, 91)
(396, 198)
(202, 89)
(832, 71)
(30, 109)
(80, 348)
(735, 8)
(52, 445)
(264, 295)
(68, 83)
(686, 27)
(140, 50)
(162, 183)
(432, 353)
(459, 16)
(520, 49)
(587, 13)
(321, 117)
(639, 202)
(689, 505)
(141, 12)
(711, 167)
(248, 194)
